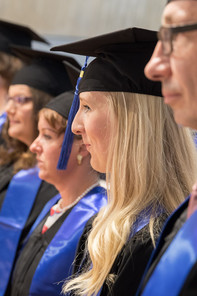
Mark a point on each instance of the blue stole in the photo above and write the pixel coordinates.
(175, 264)
(3, 117)
(15, 210)
(56, 263)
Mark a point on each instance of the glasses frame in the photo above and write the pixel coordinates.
(165, 35)
(19, 100)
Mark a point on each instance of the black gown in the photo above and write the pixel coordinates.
(45, 193)
(30, 257)
(47, 259)
(130, 263)
(189, 287)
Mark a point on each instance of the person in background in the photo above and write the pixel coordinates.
(47, 257)
(149, 161)
(12, 34)
(44, 77)
(172, 269)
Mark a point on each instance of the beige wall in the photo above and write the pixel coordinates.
(82, 18)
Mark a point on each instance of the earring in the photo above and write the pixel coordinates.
(79, 159)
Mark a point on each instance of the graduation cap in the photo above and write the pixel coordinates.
(51, 73)
(119, 66)
(15, 34)
(61, 104)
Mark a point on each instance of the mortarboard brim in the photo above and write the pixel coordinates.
(51, 73)
(61, 104)
(120, 60)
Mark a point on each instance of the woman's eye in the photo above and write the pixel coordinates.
(86, 108)
(48, 137)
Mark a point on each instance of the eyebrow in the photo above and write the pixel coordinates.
(49, 129)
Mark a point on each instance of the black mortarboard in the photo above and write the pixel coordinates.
(120, 60)
(62, 103)
(45, 71)
(119, 66)
(15, 34)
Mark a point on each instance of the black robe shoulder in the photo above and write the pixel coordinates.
(130, 264)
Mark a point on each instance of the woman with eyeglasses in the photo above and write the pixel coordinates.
(9, 62)
(149, 161)
(22, 193)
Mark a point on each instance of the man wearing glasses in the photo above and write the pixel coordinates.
(172, 269)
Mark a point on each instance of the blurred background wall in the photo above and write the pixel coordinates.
(82, 18)
(63, 21)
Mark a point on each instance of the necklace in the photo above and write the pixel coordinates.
(57, 211)
(63, 209)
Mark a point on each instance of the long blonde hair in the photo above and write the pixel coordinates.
(152, 165)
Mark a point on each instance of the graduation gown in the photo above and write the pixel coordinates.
(172, 269)
(14, 226)
(129, 264)
(46, 259)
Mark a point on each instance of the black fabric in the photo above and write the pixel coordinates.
(61, 104)
(30, 257)
(6, 172)
(190, 286)
(45, 193)
(11, 33)
(46, 71)
(120, 60)
(128, 266)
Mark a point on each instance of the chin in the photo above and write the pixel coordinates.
(183, 120)
(43, 176)
(97, 167)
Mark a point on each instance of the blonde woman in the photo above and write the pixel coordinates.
(149, 161)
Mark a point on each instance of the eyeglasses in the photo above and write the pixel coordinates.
(19, 100)
(165, 35)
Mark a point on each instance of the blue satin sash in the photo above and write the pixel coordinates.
(15, 210)
(56, 263)
(174, 266)
(2, 120)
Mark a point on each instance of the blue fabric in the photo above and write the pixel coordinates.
(15, 210)
(2, 120)
(56, 263)
(68, 137)
(44, 212)
(175, 264)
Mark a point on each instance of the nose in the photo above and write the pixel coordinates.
(158, 67)
(10, 107)
(77, 125)
(35, 147)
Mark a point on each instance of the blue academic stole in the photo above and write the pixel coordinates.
(56, 263)
(15, 210)
(2, 120)
(176, 263)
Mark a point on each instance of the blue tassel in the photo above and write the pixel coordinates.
(68, 137)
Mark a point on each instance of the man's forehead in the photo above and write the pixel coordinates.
(179, 0)
(179, 12)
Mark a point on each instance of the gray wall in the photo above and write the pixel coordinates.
(82, 18)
